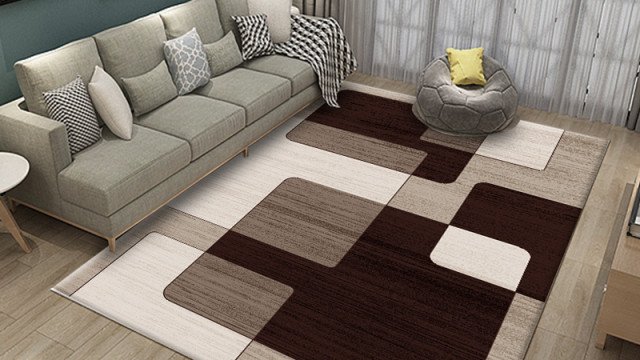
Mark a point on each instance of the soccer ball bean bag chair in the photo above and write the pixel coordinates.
(465, 110)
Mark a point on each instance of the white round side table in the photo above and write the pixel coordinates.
(13, 169)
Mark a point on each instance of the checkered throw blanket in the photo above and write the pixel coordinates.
(322, 44)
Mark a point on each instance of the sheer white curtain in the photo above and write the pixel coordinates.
(633, 122)
(615, 61)
(576, 57)
(464, 24)
(387, 35)
(532, 45)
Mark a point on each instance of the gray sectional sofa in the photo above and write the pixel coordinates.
(112, 185)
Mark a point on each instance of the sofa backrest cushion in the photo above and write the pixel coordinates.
(229, 8)
(51, 70)
(151, 90)
(132, 49)
(199, 14)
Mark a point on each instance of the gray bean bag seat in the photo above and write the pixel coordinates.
(465, 110)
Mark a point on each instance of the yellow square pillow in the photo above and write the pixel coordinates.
(466, 66)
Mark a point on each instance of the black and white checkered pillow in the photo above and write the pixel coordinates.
(255, 36)
(71, 105)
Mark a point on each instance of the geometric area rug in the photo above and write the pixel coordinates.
(354, 233)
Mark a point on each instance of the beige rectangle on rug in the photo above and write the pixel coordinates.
(526, 144)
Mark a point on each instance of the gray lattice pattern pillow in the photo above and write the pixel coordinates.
(71, 105)
(188, 62)
(254, 32)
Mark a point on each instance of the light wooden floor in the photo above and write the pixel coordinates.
(36, 323)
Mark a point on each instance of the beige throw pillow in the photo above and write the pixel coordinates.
(278, 17)
(111, 104)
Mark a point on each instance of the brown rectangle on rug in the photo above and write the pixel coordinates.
(228, 294)
(315, 222)
(356, 146)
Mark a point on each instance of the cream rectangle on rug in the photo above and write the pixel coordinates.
(526, 144)
(479, 256)
(130, 291)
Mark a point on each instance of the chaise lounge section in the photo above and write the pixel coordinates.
(112, 185)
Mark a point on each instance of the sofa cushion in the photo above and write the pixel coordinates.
(297, 71)
(105, 177)
(201, 14)
(150, 90)
(223, 55)
(258, 93)
(132, 49)
(203, 122)
(51, 70)
(229, 8)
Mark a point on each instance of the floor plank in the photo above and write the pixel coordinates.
(23, 293)
(135, 346)
(11, 271)
(5, 321)
(591, 238)
(575, 281)
(548, 345)
(37, 346)
(101, 343)
(28, 323)
(73, 326)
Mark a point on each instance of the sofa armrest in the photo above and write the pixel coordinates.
(43, 142)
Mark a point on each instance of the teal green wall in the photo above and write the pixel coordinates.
(29, 27)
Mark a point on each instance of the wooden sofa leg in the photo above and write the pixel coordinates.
(245, 152)
(112, 244)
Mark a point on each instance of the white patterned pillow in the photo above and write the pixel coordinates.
(255, 36)
(71, 105)
(188, 62)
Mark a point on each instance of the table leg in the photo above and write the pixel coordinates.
(10, 223)
(601, 338)
(12, 204)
